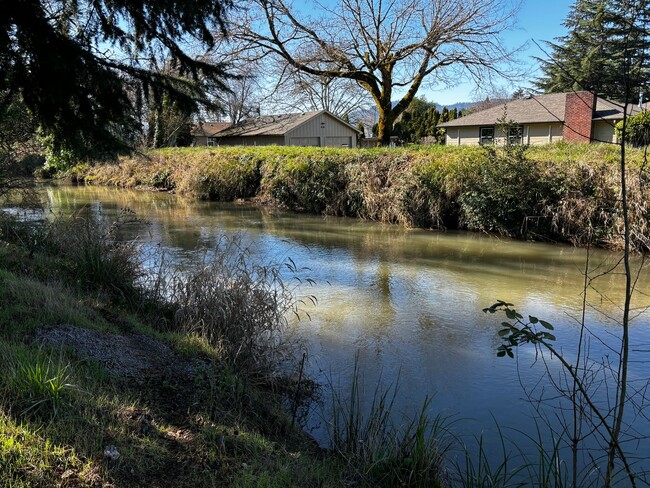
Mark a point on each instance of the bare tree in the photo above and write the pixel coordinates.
(245, 87)
(243, 99)
(387, 47)
(297, 90)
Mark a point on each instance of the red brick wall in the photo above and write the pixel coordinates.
(578, 116)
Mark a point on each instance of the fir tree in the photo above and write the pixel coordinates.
(605, 38)
(82, 67)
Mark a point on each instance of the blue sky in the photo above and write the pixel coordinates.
(538, 20)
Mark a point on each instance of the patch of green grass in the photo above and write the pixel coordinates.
(27, 304)
(42, 384)
(28, 459)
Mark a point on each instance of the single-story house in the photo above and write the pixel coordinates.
(203, 134)
(540, 119)
(304, 129)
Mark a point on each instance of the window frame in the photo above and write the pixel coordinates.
(482, 140)
(518, 138)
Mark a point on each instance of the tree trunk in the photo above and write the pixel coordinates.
(385, 125)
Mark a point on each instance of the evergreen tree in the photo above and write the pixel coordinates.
(81, 67)
(605, 38)
(434, 118)
(362, 130)
(444, 116)
(629, 38)
(416, 122)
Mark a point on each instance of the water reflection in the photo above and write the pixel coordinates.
(409, 301)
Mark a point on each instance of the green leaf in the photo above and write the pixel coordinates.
(546, 324)
(511, 314)
(504, 332)
(510, 353)
(501, 354)
(550, 337)
(533, 320)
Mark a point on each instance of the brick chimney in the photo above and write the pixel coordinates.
(579, 109)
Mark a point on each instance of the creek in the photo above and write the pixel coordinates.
(409, 304)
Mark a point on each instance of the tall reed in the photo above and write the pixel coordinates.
(379, 451)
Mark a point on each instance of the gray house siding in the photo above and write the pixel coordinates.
(200, 140)
(603, 131)
(533, 134)
(301, 129)
(304, 141)
(329, 131)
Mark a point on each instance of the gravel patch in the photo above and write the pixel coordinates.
(135, 356)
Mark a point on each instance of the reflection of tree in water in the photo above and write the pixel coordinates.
(476, 266)
(384, 279)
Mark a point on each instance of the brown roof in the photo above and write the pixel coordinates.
(268, 125)
(273, 125)
(537, 109)
(209, 128)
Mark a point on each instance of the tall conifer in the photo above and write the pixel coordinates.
(604, 39)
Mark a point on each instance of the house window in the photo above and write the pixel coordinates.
(516, 134)
(486, 135)
(212, 141)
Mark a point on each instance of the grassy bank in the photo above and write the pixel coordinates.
(116, 376)
(562, 192)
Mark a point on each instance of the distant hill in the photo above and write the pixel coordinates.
(458, 106)
(372, 114)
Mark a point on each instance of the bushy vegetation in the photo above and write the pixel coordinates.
(637, 128)
(562, 192)
(225, 424)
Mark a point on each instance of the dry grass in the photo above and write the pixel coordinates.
(566, 192)
(238, 305)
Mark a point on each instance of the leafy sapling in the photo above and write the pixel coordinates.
(518, 331)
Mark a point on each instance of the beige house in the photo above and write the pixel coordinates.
(203, 134)
(305, 129)
(540, 119)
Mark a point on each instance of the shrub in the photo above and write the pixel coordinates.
(238, 305)
(638, 129)
(96, 257)
(225, 177)
(311, 182)
(506, 195)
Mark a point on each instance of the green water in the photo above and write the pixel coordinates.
(409, 301)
